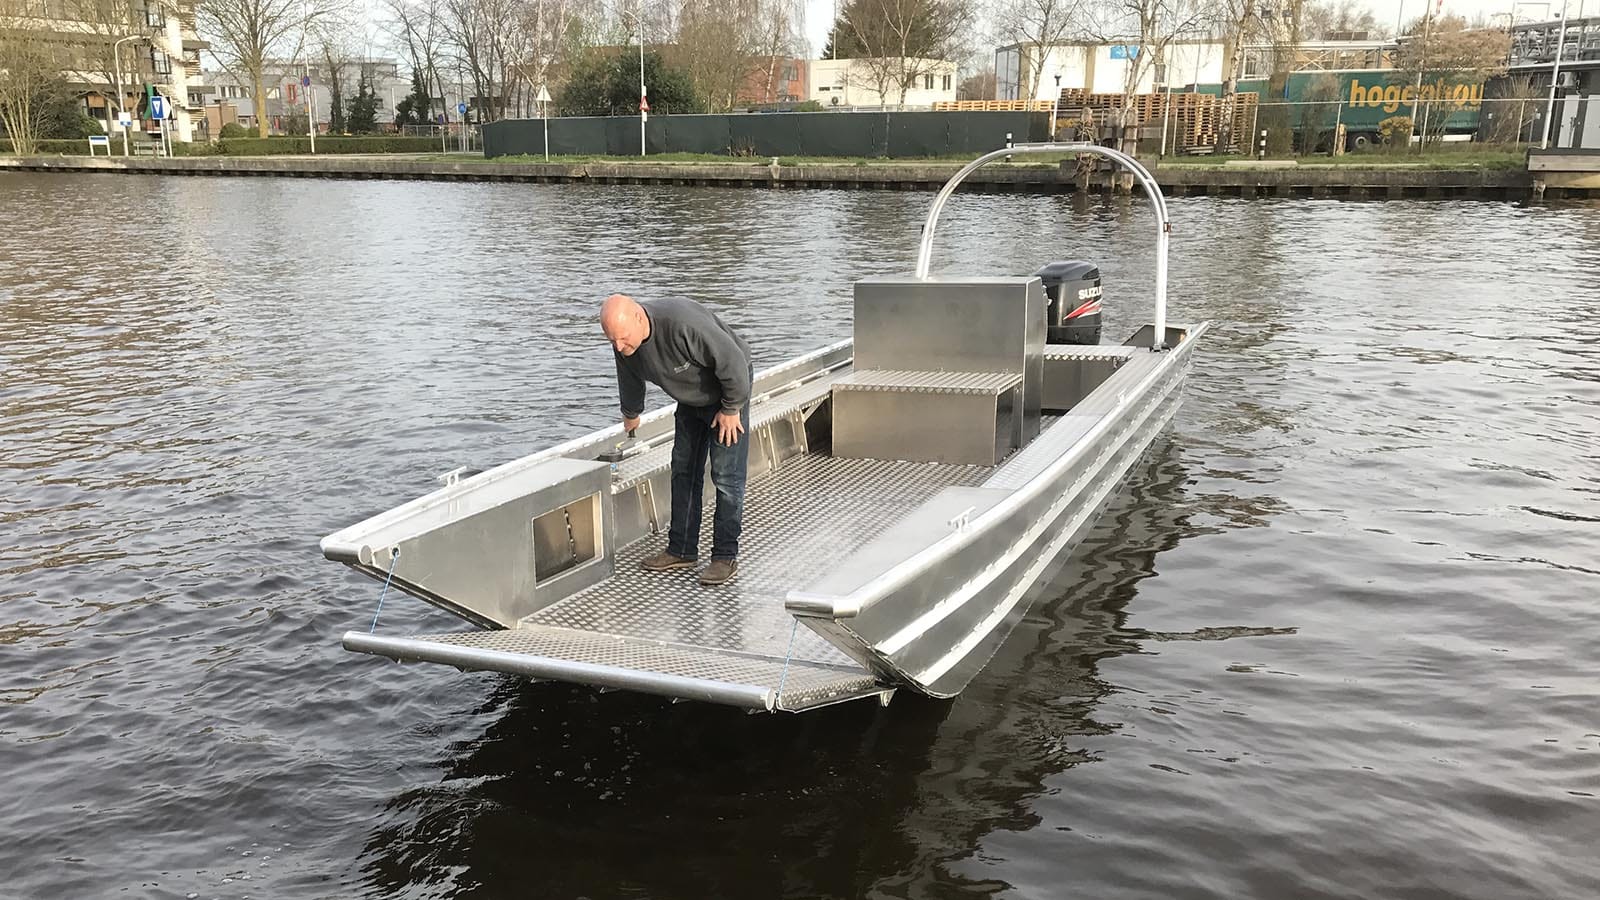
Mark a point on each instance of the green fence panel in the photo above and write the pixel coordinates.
(905, 135)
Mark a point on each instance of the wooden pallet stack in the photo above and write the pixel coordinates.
(1193, 123)
(992, 106)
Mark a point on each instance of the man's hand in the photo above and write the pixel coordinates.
(630, 424)
(728, 428)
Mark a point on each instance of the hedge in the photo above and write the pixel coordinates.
(278, 145)
(73, 147)
(252, 146)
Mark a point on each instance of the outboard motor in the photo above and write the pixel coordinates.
(1073, 316)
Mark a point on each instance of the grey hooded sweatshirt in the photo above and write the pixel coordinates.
(691, 355)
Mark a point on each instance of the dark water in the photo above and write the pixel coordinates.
(1335, 639)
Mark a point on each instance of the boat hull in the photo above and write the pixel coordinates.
(934, 620)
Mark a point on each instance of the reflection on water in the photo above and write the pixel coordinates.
(1329, 641)
(616, 795)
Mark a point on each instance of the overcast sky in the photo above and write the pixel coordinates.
(819, 13)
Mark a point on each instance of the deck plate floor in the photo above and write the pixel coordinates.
(664, 633)
(798, 522)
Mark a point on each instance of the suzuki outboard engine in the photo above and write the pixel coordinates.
(1073, 316)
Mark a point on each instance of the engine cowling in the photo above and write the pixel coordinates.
(1073, 314)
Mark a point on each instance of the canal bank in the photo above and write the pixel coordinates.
(1235, 179)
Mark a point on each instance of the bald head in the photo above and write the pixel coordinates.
(624, 322)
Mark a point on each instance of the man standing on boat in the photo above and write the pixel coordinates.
(689, 353)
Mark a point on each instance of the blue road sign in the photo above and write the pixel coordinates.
(1124, 51)
(461, 108)
(158, 107)
(305, 81)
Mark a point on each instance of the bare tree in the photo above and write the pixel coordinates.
(336, 42)
(245, 34)
(1239, 23)
(978, 86)
(1041, 24)
(114, 55)
(559, 30)
(1443, 65)
(480, 34)
(1333, 20)
(418, 29)
(28, 62)
(899, 41)
(1280, 22)
(779, 37)
(1146, 29)
(717, 45)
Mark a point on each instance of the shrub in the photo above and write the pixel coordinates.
(73, 147)
(234, 130)
(1395, 131)
(275, 146)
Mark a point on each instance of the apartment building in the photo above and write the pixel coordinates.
(132, 42)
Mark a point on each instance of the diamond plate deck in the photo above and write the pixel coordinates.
(1088, 351)
(804, 685)
(928, 382)
(797, 521)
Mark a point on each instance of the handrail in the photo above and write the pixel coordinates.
(1157, 200)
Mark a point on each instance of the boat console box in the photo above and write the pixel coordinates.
(906, 489)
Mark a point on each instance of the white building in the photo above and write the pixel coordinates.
(1102, 68)
(137, 43)
(855, 82)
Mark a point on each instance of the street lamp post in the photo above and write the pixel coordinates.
(1555, 71)
(644, 109)
(116, 67)
(644, 105)
(1055, 107)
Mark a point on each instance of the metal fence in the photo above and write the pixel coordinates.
(456, 137)
(1318, 126)
(897, 134)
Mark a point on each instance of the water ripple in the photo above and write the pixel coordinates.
(1330, 641)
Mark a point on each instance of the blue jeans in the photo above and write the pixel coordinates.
(695, 438)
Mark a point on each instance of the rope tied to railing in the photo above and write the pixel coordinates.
(385, 592)
(787, 656)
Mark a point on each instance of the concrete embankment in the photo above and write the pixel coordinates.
(1355, 182)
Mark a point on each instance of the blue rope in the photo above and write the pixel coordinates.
(787, 655)
(392, 560)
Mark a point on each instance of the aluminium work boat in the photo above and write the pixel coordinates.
(907, 487)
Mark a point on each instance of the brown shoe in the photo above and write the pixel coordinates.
(665, 562)
(721, 571)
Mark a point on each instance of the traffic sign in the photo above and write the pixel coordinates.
(544, 95)
(305, 81)
(461, 108)
(125, 120)
(158, 107)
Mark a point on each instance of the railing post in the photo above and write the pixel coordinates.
(1152, 190)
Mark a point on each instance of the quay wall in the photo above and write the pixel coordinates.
(1228, 180)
